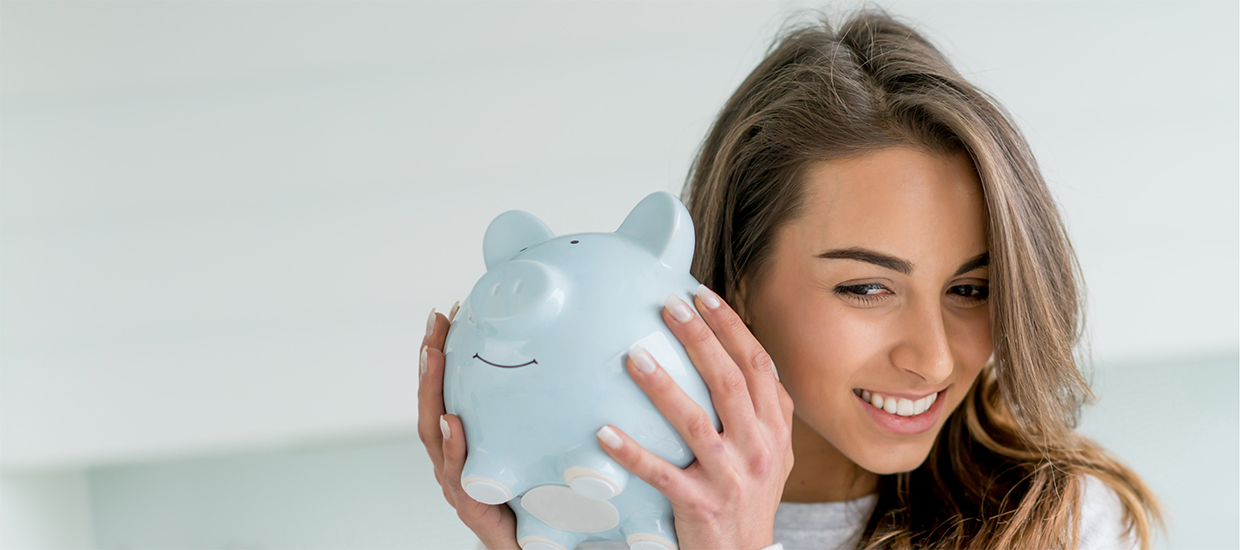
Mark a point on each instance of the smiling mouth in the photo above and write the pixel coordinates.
(897, 405)
(531, 362)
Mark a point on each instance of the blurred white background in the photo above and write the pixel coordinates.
(222, 225)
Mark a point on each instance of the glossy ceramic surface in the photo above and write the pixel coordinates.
(535, 365)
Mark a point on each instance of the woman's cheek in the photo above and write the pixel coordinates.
(859, 340)
(863, 340)
(853, 354)
(971, 343)
(821, 376)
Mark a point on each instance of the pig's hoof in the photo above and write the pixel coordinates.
(539, 543)
(647, 541)
(486, 491)
(591, 484)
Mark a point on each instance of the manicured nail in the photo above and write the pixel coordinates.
(430, 323)
(775, 371)
(443, 427)
(422, 360)
(680, 310)
(452, 314)
(610, 437)
(708, 296)
(643, 359)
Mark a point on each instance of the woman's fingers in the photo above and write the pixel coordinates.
(685, 415)
(495, 525)
(453, 436)
(664, 476)
(729, 387)
(430, 404)
(786, 405)
(749, 356)
(430, 388)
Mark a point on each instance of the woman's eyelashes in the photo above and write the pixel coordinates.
(975, 294)
(864, 294)
(872, 293)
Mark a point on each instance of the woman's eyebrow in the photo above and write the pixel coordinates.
(977, 261)
(896, 264)
(867, 255)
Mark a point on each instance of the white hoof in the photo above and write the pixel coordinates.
(486, 491)
(591, 484)
(645, 541)
(593, 487)
(539, 543)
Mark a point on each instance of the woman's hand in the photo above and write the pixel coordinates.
(726, 499)
(444, 438)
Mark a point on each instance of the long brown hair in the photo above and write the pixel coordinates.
(1006, 470)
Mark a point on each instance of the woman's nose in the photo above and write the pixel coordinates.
(924, 349)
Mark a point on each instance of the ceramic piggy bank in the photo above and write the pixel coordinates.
(535, 365)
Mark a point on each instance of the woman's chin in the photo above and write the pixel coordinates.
(886, 460)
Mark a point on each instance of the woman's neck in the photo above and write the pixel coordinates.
(820, 472)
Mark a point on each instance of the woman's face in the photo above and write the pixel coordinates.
(880, 289)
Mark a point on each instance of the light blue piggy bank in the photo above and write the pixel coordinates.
(535, 365)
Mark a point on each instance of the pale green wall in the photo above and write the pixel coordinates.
(1176, 423)
(45, 509)
(369, 494)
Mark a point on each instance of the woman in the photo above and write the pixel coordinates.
(878, 228)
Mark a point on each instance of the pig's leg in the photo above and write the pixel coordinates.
(650, 529)
(533, 534)
(593, 474)
(490, 480)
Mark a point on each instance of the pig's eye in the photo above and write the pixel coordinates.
(574, 242)
(523, 249)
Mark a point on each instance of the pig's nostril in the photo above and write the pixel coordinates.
(495, 290)
(517, 287)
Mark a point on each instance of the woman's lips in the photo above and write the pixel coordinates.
(904, 425)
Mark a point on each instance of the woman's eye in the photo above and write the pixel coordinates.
(867, 293)
(973, 293)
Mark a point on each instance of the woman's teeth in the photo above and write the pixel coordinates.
(897, 405)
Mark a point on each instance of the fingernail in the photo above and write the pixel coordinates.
(430, 323)
(708, 296)
(452, 314)
(680, 310)
(609, 437)
(775, 371)
(443, 427)
(422, 360)
(643, 359)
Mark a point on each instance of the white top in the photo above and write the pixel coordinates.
(838, 525)
(821, 525)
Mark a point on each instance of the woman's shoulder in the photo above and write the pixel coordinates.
(1102, 518)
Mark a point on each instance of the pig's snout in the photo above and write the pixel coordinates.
(516, 296)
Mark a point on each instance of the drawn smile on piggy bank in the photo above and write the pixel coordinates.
(530, 362)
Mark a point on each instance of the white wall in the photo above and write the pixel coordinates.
(222, 224)
(229, 244)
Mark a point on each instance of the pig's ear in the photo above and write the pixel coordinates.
(511, 232)
(662, 225)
